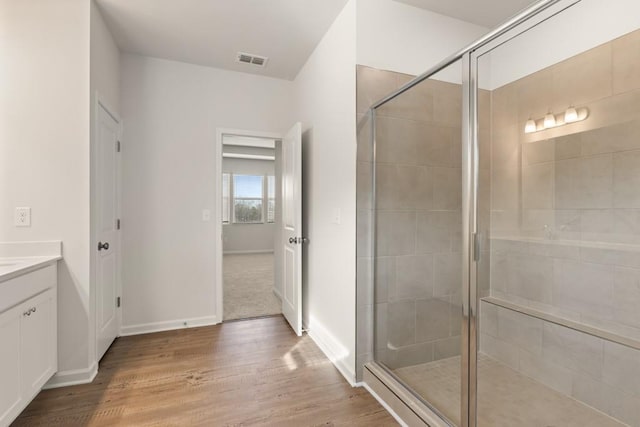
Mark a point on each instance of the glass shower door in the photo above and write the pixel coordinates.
(418, 228)
(559, 209)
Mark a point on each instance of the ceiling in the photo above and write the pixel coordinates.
(212, 32)
(487, 13)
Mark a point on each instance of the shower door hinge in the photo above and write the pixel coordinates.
(476, 247)
(118, 224)
(118, 302)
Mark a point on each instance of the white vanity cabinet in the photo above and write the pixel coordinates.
(28, 338)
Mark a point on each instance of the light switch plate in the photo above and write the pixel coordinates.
(22, 217)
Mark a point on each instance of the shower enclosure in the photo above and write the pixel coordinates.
(499, 226)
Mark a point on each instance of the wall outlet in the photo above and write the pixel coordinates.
(23, 217)
(206, 215)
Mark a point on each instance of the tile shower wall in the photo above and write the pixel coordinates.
(418, 220)
(603, 374)
(565, 227)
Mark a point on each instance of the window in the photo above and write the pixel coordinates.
(226, 198)
(248, 193)
(271, 202)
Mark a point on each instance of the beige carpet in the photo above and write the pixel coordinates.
(248, 286)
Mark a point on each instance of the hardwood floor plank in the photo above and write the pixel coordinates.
(246, 373)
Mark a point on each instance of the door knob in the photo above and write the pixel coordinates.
(293, 240)
(104, 246)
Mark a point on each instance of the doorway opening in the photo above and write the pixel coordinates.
(250, 222)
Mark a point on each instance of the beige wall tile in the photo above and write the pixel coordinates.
(537, 186)
(447, 188)
(436, 146)
(364, 182)
(569, 146)
(381, 326)
(385, 278)
(448, 347)
(530, 277)
(396, 233)
(364, 282)
(365, 143)
(626, 62)
(397, 140)
(622, 367)
(538, 152)
(521, 330)
(557, 377)
(448, 274)
(447, 100)
(583, 78)
(414, 277)
(584, 287)
(414, 104)
(611, 139)
(372, 85)
(433, 319)
(586, 182)
(626, 179)
(401, 323)
(626, 296)
(364, 232)
(572, 349)
(433, 235)
(488, 319)
(503, 351)
(411, 355)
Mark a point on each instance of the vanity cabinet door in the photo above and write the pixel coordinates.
(10, 392)
(38, 347)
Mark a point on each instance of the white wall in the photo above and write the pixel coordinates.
(171, 111)
(581, 27)
(242, 238)
(44, 148)
(325, 103)
(397, 37)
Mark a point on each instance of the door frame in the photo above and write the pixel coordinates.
(219, 276)
(101, 103)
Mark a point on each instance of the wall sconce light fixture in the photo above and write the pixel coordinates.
(551, 120)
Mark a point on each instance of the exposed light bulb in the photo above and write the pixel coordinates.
(549, 121)
(530, 126)
(571, 115)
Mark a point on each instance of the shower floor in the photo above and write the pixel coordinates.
(505, 397)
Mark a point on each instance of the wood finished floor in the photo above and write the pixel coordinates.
(244, 373)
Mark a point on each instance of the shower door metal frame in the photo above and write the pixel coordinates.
(520, 23)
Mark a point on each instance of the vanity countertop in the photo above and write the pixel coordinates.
(14, 267)
(18, 258)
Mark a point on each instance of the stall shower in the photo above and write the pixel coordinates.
(499, 228)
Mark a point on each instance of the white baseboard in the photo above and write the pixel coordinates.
(169, 325)
(335, 351)
(262, 251)
(73, 377)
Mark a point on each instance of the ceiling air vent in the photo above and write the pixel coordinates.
(249, 58)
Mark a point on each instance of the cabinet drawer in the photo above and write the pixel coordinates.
(21, 288)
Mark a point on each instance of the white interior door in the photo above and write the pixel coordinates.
(292, 227)
(107, 244)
